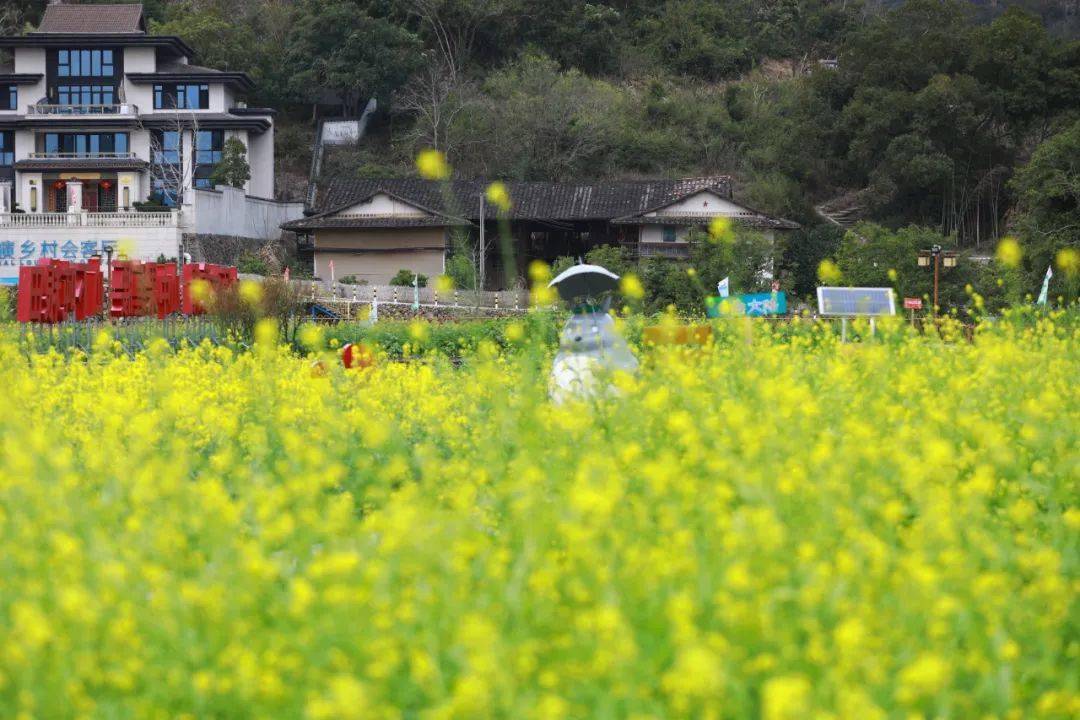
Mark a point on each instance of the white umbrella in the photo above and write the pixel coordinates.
(585, 281)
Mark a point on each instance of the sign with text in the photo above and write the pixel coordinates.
(341, 132)
(752, 305)
(15, 254)
(913, 303)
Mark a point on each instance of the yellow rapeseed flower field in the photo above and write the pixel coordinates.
(770, 527)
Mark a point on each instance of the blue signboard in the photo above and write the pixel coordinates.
(753, 305)
(15, 254)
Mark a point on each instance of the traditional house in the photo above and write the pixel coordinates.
(372, 228)
(97, 116)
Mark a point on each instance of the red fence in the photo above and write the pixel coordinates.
(57, 290)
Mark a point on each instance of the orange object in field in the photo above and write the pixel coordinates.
(677, 335)
(357, 356)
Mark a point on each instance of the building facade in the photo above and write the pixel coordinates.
(100, 120)
(372, 228)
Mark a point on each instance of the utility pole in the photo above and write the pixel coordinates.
(480, 278)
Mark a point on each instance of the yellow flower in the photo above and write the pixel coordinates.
(1009, 252)
(515, 332)
(251, 292)
(829, 273)
(539, 272)
(432, 165)
(200, 290)
(1068, 260)
(720, 229)
(418, 330)
(444, 284)
(498, 195)
(631, 286)
(266, 331)
(786, 698)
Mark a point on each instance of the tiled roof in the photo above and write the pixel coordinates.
(529, 200)
(750, 219)
(93, 19)
(370, 221)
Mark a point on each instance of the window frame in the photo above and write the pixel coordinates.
(178, 96)
(86, 63)
(10, 95)
(668, 233)
(7, 148)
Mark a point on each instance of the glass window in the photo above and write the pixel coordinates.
(7, 148)
(165, 145)
(86, 95)
(85, 63)
(208, 146)
(669, 233)
(9, 97)
(184, 97)
(86, 144)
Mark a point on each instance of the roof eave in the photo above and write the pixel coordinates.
(66, 39)
(239, 79)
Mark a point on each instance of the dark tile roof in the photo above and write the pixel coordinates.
(530, 200)
(752, 219)
(359, 222)
(93, 19)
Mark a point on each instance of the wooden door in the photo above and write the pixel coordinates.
(90, 196)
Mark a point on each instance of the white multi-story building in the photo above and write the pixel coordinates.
(97, 117)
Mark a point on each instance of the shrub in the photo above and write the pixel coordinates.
(406, 277)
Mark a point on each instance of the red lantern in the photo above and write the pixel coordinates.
(106, 184)
(59, 184)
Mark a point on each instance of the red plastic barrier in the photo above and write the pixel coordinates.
(89, 290)
(219, 278)
(36, 296)
(132, 289)
(166, 289)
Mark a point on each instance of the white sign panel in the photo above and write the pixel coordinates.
(341, 132)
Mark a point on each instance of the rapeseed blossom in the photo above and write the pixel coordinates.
(773, 525)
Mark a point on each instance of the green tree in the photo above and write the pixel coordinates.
(1048, 190)
(339, 49)
(233, 170)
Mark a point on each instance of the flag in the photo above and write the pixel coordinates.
(331, 272)
(1044, 295)
(724, 287)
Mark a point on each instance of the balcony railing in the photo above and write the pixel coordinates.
(89, 219)
(50, 109)
(83, 156)
(677, 251)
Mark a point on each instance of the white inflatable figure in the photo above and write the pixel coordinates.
(589, 346)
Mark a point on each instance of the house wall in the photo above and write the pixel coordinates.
(702, 203)
(655, 234)
(387, 253)
(382, 204)
(31, 61)
(261, 160)
(139, 60)
(228, 211)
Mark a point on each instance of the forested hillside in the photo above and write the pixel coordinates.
(925, 116)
